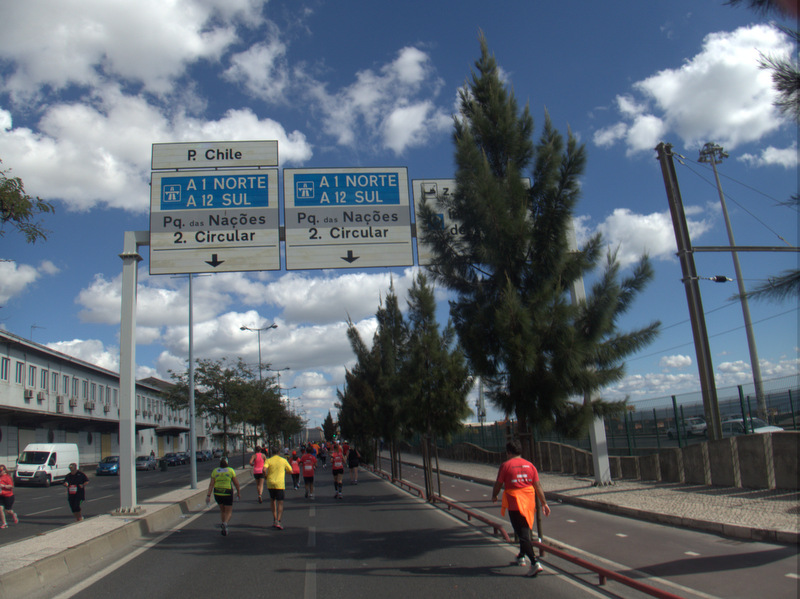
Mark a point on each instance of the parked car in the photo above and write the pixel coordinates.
(108, 465)
(173, 459)
(146, 462)
(735, 426)
(209, 455)
(200, 456)
(694, 426)
(217, 453)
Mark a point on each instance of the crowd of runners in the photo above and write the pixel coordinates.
(272, 470)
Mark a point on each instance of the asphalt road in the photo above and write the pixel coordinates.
(41, 509)
(681, 561)
(375, 542)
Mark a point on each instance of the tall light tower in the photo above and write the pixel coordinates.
(714, 154)
(244, 328)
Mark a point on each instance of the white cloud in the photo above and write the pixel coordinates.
(91, 351)
(785, 157)
(355, 114)
(677, 361)
(720, 94)
(632, 235)
(83, 42)
(17, 279)
(261, 69)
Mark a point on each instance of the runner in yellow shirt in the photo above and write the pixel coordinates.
(277, 467)
(223, 479)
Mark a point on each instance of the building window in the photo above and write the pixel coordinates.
(55, 382)
(94, 392)
(5, 366)
(76, 387)
(85, 389)
(44, 379)
(100, 390)
(32, 375)
(19, 374)
(115, 394)
(65, 388)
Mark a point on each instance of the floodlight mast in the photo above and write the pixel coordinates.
(714, 154)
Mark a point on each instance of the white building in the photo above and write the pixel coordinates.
(50, 397)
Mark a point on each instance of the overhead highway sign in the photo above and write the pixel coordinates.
(347, 218)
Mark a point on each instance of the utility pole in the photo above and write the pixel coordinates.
(708, 387)
(714, 154)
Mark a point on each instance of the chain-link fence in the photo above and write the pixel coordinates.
(670, 421)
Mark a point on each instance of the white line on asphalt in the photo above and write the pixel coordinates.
(89, 581)
(691, 553)
(792, 575)
(310, 591)
(621, 535)
(572, 521)
(52, 509)
(312, 536)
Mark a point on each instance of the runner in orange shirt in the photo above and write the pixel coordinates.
(520, 479)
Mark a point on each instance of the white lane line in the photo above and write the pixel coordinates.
(793, 575)
(86, 583)
(52, 509)
(312, 536)
(572, 521)
(621, 535)
(310, 591)
(691, 553)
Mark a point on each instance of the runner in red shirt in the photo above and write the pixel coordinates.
(307, 465)
(520, 480)
(337, 465)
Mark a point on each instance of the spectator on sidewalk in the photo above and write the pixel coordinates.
(277, 467)
(6, 498)
(519, 480)
(223, 479)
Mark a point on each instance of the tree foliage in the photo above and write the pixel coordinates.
(512, 270)
(20, 210)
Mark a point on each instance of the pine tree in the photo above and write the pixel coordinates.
(435, 373)
(511, 268)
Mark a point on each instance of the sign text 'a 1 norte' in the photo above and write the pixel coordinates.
(347, 217)
(223, 220)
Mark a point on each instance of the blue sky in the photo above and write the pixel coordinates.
(86, 87)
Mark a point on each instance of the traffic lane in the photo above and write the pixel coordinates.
(41, 509)
(696, 560)
(376, 541)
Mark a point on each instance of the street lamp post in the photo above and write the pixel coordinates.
(258, 331)
(260, 376)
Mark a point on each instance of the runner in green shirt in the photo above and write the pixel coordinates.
(223, 479)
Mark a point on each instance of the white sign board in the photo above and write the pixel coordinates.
(433, 191)
(214, 221)
(214, 154)
(347, 218)
(437, 193)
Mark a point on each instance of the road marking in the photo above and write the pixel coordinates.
(621, 535)
(793, 575)
(52, 509)
(691, 553)
(310, 591)
(572, 521)
(89, 581)
(312, 536)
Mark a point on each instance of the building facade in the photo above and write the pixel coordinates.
(50, 397)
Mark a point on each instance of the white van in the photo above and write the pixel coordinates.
(43, 463)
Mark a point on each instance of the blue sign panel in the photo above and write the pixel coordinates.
(211, 192)
(347, 189)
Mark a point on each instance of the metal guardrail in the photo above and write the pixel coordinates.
(603, 574)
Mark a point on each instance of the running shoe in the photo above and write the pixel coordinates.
(278, 526)
(521, 561)
(259, 499)
(224, 530)
(3, 525)
(16, 520)
(536, 567)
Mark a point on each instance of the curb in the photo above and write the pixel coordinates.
(117, 534)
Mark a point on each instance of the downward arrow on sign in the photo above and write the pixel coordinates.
(214, 262)
(350, 258)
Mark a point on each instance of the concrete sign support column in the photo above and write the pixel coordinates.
(127, 367)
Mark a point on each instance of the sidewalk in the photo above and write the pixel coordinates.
(757, 515)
